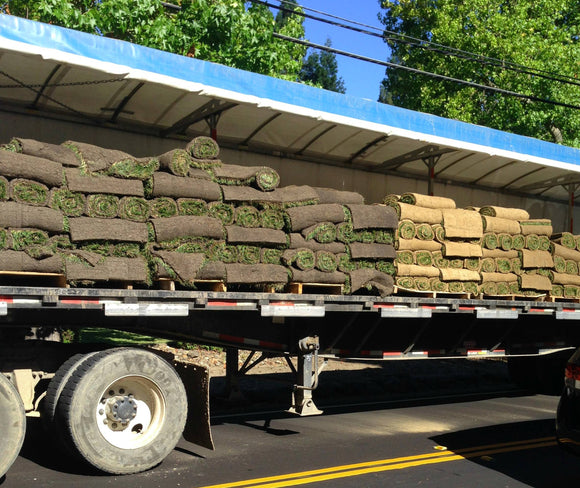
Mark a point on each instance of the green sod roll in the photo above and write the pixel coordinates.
(488, 265)
(163, 207)
(326, 261)
(247, 216)
(439, 232)
(192, 245)
(559, 264)
(178, 162)
(568, 240)
(345, 264)
(440, 261)
(405, 257)
(248, 254)
(503, 288)
(272, 218)
(503, 265)
(406, 282)
(490, 241)
(489, 288)
(134, 208)
(191, 206)
(138, 169)
(228, 254)
(203, 147)
(3, 239)
(364, 264)
(570, 291)
(471, 287)
(68, 202)
(514, 288)
(423, 258)
(532, 242)
(505, 242)
(365, 236)
(422, 284)
(323, 233)
(577, 243)
(22, 239)
(271, 256)
(304, 259)
(267, 179)
(516, 264)
(425, 232)
(456, 287)
(387, 267)
(571, 267)
(4, 188)
(544, 243)
(407, 229)
(102, 206)
(29, 192)
(518, 242)
(384, 236)
(557, 291)
(223, 212)
(345, 233)
(456, 263)
(437, 285)
(473, 264)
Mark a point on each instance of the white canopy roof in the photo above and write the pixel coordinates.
(112, 83)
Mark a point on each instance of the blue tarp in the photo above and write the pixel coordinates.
(133, 56)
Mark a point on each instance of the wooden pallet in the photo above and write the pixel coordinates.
(398, 290)
(315, 288)
(29, 278)
(203, 285)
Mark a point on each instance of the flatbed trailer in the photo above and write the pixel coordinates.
(122, 410)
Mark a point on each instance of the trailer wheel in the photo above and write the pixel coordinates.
(12, 424)
(56, 385)
(122, 410)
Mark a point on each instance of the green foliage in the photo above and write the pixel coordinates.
(540, 34)
(230, 32)
(321, 69)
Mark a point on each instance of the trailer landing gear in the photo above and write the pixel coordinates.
(307, 378)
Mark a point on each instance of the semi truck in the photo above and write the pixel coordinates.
(122, 410)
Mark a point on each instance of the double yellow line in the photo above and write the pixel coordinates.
(345, 471)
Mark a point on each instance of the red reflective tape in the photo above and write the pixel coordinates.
(429, 307)
(229, 338)
(466, 308)
(283, 304)
(271, 345)
(570, 310)
(5, 299)
(74, 301)
(226, 303)
(383, 305)
(386, 353)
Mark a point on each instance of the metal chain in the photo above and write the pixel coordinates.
(51, 85)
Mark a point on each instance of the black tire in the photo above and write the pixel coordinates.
(12, 424)
(56, 385)
(122, 410)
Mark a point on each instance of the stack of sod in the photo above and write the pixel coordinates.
(342, 243)
(536, 259)
(502, 243)
(564, 276)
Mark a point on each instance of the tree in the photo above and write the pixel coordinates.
(321, 69)
(507, 37)
(230, 32)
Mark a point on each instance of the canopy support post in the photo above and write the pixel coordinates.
(571, 189)
(431, 162)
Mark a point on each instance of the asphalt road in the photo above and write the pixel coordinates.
(450, 437)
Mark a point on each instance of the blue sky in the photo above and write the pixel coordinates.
(361, 79)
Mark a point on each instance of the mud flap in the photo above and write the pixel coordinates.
(196, 380)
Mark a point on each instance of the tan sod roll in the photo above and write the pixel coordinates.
(505, 212)
(75, 181)
(419, 215)
(500, 226)
(461, 250)
(452, 274)
(537, 259)
(116, 230)
(498, 277)
(417, 245)
(459, 223)
(536, 282)
(571, 254)
(14, 165)
(499, 253)
(415, 270)
(540, 227)
(427, 201)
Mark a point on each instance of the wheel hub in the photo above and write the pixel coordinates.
(121, 409)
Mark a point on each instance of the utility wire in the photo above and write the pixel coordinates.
(424, 73)
(428, 45)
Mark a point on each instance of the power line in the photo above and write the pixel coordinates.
(428, 45)
(424, 73)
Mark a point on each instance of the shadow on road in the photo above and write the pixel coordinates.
(528, 454)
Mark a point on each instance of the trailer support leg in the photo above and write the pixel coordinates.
(307, 378)
(233, 391)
